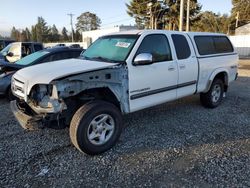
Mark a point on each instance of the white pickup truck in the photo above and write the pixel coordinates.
(122, 73)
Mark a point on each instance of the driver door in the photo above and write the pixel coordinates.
(155, 83)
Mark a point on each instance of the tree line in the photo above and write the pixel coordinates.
(165, 15)
(42, 32)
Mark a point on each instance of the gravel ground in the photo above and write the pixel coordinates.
(172, 145)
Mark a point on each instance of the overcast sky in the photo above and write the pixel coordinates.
(23, 14)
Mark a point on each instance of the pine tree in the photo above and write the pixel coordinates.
(166, 13)
(33, 34)
(42, 30)
(242, 8)
(65, 36)
(27, 34)
(55, 34)
(15, 34)
(138, 9)
(88, 21)
(210, 22)
(78, 36)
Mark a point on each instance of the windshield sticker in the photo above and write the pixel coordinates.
(123, 44)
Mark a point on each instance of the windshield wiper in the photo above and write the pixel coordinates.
(85, 57)
(99, 58)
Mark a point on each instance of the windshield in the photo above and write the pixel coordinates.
(111, 48)
(31, 58)
(6, 49)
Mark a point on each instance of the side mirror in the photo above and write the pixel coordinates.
(4, 54)
(10, 54)
(143, 59)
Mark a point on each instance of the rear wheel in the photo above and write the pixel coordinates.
(95, 127)
(214, 96)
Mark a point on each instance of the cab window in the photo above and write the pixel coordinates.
(181, 46)
(158, 46)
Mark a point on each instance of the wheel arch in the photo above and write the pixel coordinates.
(102, 93)
(220, 73)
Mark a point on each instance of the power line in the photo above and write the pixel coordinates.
(118, 21)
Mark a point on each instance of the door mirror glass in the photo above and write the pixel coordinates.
(143, 59)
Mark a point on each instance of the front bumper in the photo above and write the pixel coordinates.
(5, 84)
(24, 119)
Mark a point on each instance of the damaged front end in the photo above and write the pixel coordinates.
(42, 107)
(44, 99)
(25, 117)
(55, 103)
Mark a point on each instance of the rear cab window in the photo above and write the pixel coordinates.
(210, 45)
(181, 46)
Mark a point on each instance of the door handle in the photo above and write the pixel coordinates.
(171, 68)
(182, 66)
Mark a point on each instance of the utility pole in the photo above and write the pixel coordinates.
(188, 15)
(151, 15)
(237, 19)
(181, 15)
(71, 23)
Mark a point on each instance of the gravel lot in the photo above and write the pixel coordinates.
(172, 145)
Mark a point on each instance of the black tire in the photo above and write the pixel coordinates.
(82, 121)
(208, 100)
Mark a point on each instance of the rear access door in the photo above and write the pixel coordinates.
(187, 65)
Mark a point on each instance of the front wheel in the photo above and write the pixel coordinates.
(214, 96)
(95, 127)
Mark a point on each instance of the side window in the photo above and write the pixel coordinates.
(74, 54)
(26, 49)
(158, 46)
(222, 44)
(60, 56)
(47, 59)
(181, 46)
(37, 47)
(205, 45)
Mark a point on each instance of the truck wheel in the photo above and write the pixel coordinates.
(214, 96)
(95, 127)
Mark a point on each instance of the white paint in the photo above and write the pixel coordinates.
(46, 72)
(151, 77)
(158, 76)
